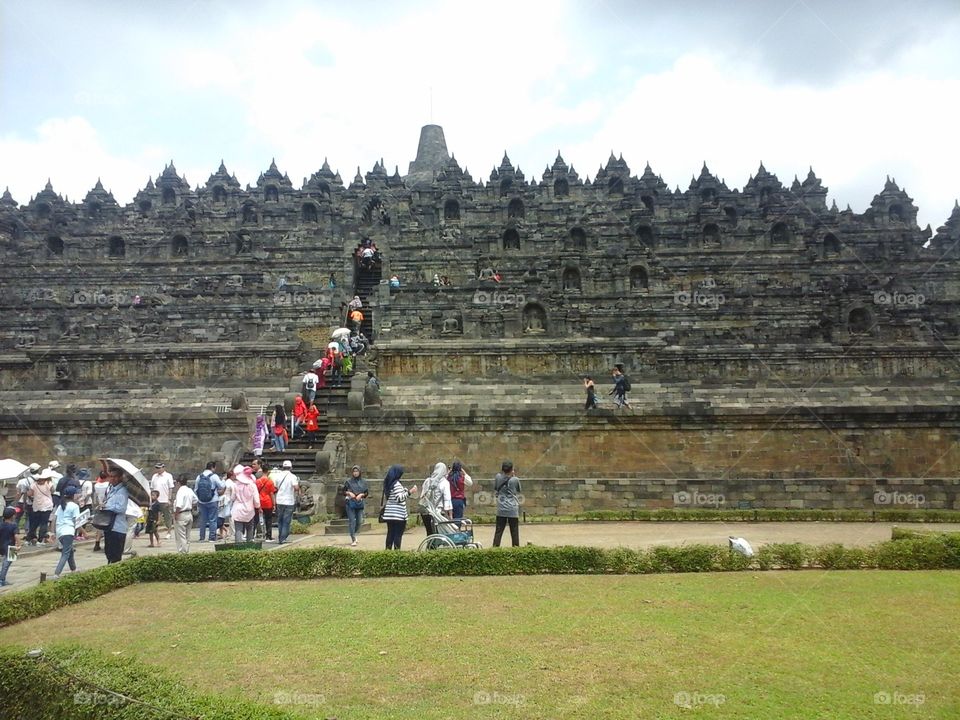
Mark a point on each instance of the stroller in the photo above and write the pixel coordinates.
(449, 533)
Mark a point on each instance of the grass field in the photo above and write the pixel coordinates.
(739, 645)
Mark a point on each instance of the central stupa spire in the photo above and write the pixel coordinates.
(431, 156)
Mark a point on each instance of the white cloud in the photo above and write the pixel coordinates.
(853, 133)
(305, 81)
(70, 152)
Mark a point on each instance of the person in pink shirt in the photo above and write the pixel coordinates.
(246, 502)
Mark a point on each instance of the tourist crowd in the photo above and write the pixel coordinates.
(246, 502)
(443, 494)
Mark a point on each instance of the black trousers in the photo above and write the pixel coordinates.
(395, 530)
(514, 530)
(428, 523)
(113, 543)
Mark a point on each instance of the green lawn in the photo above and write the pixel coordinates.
(739, 645)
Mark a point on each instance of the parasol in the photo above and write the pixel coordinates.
(133, 480)
(10, 469)
(339, 333)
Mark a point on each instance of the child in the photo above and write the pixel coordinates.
(8, 539)
(153, 518)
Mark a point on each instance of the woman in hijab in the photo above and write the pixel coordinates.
(395, 506)
(355, 490)
(436, 491)
(259, 435)
(246, 502)
(459, 482)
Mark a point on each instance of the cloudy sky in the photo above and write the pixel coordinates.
(115, 89)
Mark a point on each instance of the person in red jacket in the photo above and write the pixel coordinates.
(266, 489)
(299, 415)
(311, 423)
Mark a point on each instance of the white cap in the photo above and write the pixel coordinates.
(34, 467)
(53, 464)
(287, 465)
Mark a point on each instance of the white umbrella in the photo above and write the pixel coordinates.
(137, 486)
(339, 333)
(11, 469)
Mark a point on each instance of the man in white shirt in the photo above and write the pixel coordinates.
(184, 503)
(162, 482)
(310, 382)
(287, 485)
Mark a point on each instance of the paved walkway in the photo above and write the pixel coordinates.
(33, 561)
(25, 572)
(647, 534)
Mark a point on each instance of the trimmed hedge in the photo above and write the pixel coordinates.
(81, 684)
(742, 515)
(937, 551)
(899, 533)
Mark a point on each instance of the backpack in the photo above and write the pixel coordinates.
(204, 487)
(626, 383)
(310, 383)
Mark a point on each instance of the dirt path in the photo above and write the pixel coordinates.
(646, 534)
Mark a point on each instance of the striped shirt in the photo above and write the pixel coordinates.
(396, 507)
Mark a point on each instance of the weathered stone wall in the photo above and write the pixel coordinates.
(833, 459)
(654, 359)
(569, 496)
(184, 438)
(150, 364)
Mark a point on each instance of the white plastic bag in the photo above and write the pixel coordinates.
(738, 544)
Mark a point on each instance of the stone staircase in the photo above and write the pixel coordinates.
(367, 282)
(301, 452)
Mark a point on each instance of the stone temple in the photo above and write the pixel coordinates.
(782, 352)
